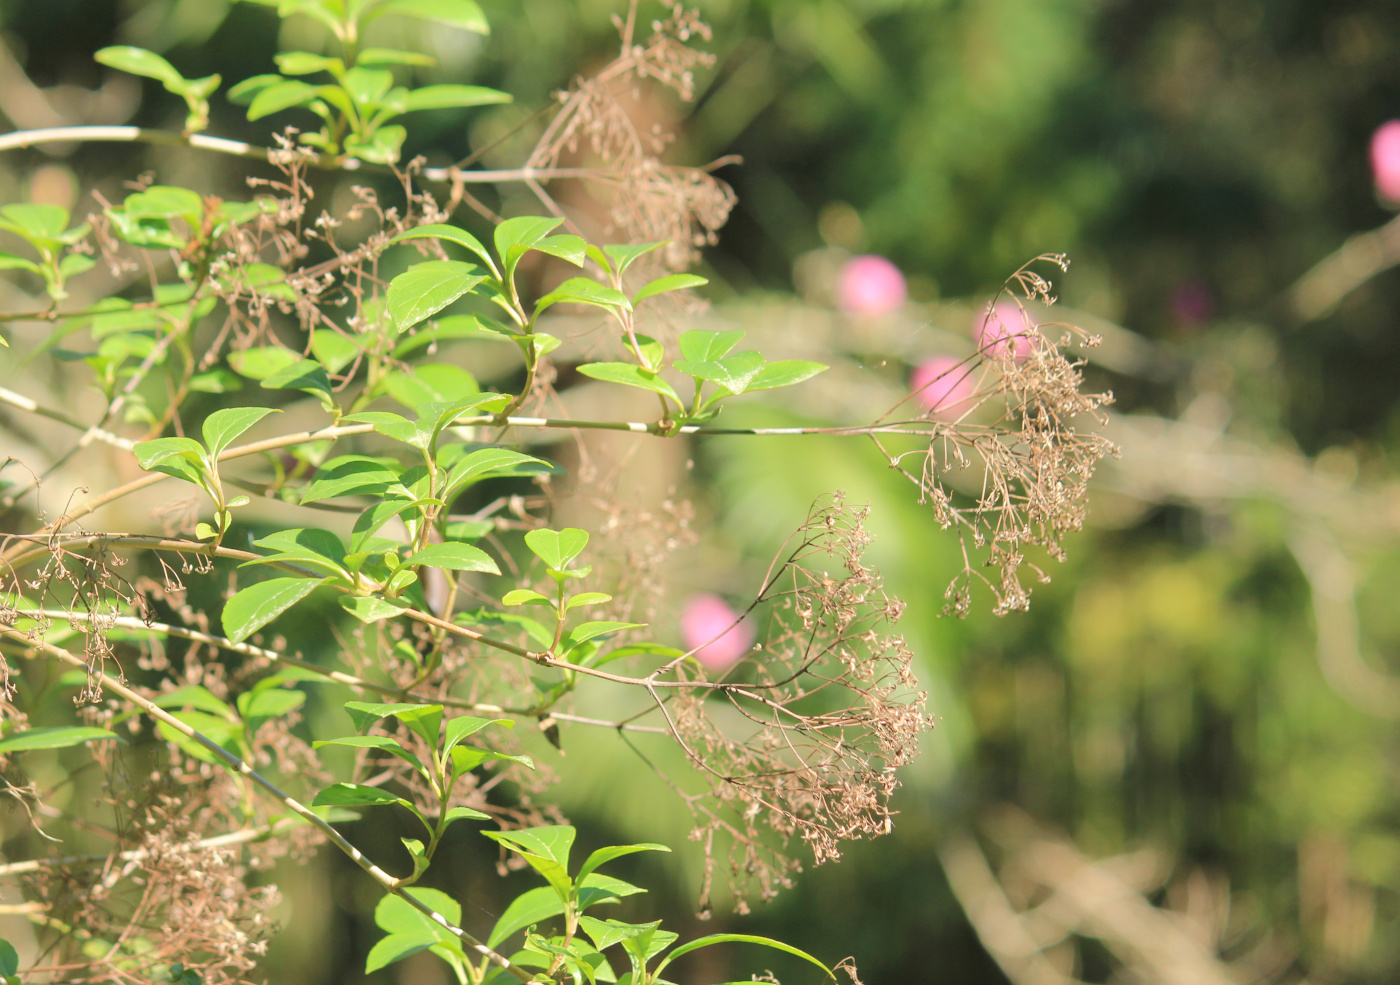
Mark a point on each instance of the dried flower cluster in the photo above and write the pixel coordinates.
(1012, 471)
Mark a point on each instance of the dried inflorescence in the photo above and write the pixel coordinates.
(1012, 471)
(653, 201)
(804, 736)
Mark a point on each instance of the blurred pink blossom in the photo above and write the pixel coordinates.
(1385, 160)
(706, 622)
(943, 384)
(870, 285)
(1192, 303)
(1004, 328)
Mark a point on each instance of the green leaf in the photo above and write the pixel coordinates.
(243, 93)
(139, 61)
(698, 943)
(333, 350)
(490, 463)
(735, 373)
(396, 947)
(452, 97)
(545, 849)
(279, 96)
(629, 374)
(606, 933)
(584, 632)
(216, 729)
(372, 608)
(257, 605)
(367, 86)
(557, 548)
(305, 375)
(391, 56)
(430, 382)
(180, 457)
(566, 247)
(596, 888)
(455, 13)
(424, 720)
(35, 221)
(358, 795)
(58, 737)
(398, 916)
(698, 345)
(455, 557)
(217, 380)
(222, 426)
(381, 147)
(305, 63)
(9, 959)
(452, 234)
(530, 907)
(195, 696)
(8, 261)
(426, 288)
(581, 290)
(516, 237)
(584, 598)
(464, 726)
(785, 372)
(605, 855)
(524, 596)
(662, 285)
(375, 517)
(623, 255)
(464, 814)
(381, 742)
(258, 706)
(351, 475)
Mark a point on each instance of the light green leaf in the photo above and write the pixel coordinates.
(584, 632)
(632, 375)
(785, 372)
(243, 93)
(735, 373)
(333, 350)
(464, 726)
(565, 247)
(195, 696)
(557, 548)
(455, 13)
(381, 742)
(430, 382)
(358, 795)
(222, 426)
(581, 290)
(698, 345)
(8, 261)
(279, 96)
(530, 907)
(180, 457)
(585, 598)
(254, 607)
(374, 518)
(263, 705)
(35, 221)
(351, 475)
(524, 596)
(605, 855)
(455, 557)
(426, 288)
(452, 97)
(452, 234)
(305, 375)
(305, 63)
(396, 947)
(58, 737)
(371, 608)
(391, 56)
(139, 61)
(663, 285)
(623, 255)
(689, 946)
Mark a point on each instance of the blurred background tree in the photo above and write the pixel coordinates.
(1205, 697)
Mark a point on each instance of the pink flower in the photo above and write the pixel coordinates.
(943, 385)
(708, 627)
(1385, 160)
(870, 285)
(1004, 330)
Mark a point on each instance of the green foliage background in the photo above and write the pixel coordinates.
(1164, 689)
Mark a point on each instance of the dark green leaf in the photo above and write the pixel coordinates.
(381, 742)
(424, 720)
(530, 907)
